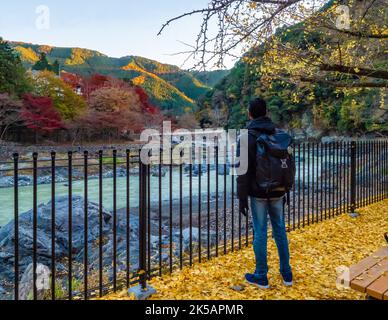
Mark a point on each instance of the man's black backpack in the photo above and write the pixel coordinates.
(275, 163)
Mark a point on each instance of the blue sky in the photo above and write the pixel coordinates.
(115, 27)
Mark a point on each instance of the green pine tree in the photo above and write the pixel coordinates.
(13, 78)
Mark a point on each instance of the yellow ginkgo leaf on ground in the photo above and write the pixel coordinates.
(318, 251)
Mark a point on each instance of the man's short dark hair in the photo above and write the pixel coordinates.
(258, 108)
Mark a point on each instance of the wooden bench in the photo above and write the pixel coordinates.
(370, 276)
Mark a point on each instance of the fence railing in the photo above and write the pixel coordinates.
(79, 225)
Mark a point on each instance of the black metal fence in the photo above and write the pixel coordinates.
(79, 225)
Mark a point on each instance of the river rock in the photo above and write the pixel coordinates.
(26, 285)
(120, 173)
(195, 235)
(155, 172)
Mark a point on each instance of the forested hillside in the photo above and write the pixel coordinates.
(172, 89)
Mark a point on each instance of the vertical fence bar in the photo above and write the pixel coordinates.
(160, 210)
(16, 222)
(308, 183)
(232, 158)
(353, 150)
(208, 201)
(191, 207)
(148, 212)
(225, 200)
(181, 211)
(386, 168)
(382, 169)
(70, 226)
(128, 216)
(53, 225)
(299, 184)
(304, 185)
(319, 180)
(171, 211)
(385, 182)
(100, 212)
(35, 224)
(345, 157)
(335, 176)
(217, 193)
(360, 181)
(322, 191)
(86, 227)
(143, 225)
(365, 172)
(239, 228)
(200, 206)
(360, 171)
(341, 177)
(114, 258)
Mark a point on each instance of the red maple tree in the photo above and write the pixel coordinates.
(38, 113)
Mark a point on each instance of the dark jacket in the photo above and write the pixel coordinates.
(246, 184)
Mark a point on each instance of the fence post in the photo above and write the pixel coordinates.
(143, 291)
(353, 178)
(143, 227)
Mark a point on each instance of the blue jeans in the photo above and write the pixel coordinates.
(261, 208)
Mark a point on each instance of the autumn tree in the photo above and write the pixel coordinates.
(39, 114)
(152, 116)
(331, 53)
(114, 108)
(10, 113)
(93, 83)
(69, 104)
(188, 121)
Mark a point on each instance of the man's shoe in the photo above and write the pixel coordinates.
(287, 280)
(261, 283)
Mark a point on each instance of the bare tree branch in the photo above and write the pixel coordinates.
(379, 74)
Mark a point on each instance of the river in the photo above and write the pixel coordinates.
(44, 190)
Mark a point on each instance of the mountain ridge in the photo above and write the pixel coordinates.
(173, 89)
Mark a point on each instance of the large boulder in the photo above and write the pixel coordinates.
(44, 238)
(44, 233)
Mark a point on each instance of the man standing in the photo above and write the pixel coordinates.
(265, 184)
